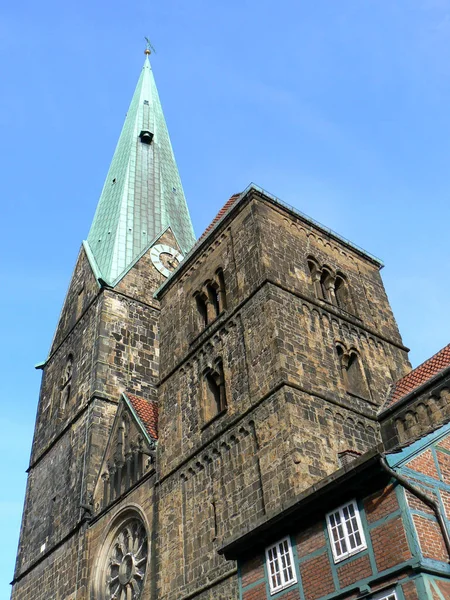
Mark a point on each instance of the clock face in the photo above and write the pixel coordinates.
(165, 258)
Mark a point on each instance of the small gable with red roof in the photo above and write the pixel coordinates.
(418, 376)
(130, 452)
(147, 411)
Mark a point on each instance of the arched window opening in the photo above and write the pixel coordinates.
(342, 294)
(315, 277)
(400, 427)
(352, 373)
(202, 309)
(411, 424)
(326, 284)
(355, 377)
(222, 291)
(66, 383)
(215, 398)
(340, 350)
(214, 299)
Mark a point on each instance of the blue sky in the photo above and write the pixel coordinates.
(339, 108)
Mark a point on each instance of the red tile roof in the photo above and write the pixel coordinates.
(147, 411)
(419, 375)
(225, 208)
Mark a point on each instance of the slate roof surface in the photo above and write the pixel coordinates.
(419, 376)
(147, 412)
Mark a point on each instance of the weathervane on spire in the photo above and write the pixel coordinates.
(149, 48)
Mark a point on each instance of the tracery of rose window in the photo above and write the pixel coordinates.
(126, 562)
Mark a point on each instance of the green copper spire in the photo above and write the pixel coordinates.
(142, 194)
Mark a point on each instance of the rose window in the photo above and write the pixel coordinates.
(126, 562)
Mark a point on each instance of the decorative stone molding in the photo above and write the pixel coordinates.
(423, 416)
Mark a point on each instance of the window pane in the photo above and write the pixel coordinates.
(286, 567)
(337, 531)
(274, 567)
(351, 523)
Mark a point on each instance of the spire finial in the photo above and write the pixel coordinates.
(148, 47)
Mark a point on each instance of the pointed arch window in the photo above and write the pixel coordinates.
(202, 309)
(342, 294)
(66, 382)
(352, 372)
(214, 394)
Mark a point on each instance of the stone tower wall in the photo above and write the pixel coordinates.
(114, 343)
(286, 243)
(288, 412)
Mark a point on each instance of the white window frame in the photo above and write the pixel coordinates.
(277, 568)
(344, 531)
(389, 595)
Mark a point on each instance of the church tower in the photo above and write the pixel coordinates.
(193, 390)
(104, 359)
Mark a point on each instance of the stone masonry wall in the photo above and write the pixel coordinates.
(283, 385)
(306, 338)
(62, 575)
(219, 492)
(82, 291)
(115, 348)
(287, 242)
(237, 252)
(60, 482)
(318, 432)
(127, 348)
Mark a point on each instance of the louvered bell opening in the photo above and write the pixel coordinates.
(146, 136)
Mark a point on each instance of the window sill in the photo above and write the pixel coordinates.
(282, 588)
(338, 308)
(206, 328)
(213, 419)
(365, 398)
(349, 554)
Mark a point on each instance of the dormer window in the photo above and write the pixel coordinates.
(146, 137)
